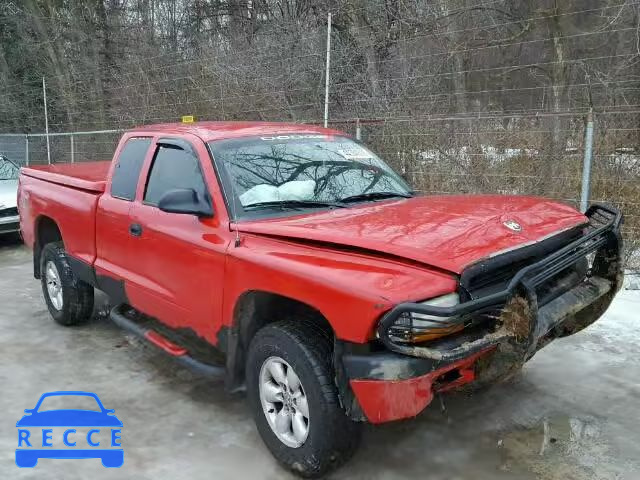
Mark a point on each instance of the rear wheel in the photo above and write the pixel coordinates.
(291, 390)
(69, 300)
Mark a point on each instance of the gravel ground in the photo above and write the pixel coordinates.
(572, 414)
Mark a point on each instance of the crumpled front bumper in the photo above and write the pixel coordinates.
(400, 381)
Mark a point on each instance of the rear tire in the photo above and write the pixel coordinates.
(330, 438)
(69, 300)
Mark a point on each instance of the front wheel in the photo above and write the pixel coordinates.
(69, 300)
(291, 390)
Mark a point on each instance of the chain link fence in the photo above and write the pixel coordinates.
(15, 147)
(32, 149)
(503, 154)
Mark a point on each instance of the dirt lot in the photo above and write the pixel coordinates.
(573, 414)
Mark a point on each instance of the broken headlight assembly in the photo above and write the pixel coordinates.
(414, 327)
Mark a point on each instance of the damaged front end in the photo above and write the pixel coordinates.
(510, 306)
(556, 295)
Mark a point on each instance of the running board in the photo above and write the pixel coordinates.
(176, 351)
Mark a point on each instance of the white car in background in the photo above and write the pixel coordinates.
(9, 219)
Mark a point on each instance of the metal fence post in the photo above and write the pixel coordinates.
(72, 148)
(586, 165)
(326, 73)
(358, 130)
(46, 119)
(26, 150)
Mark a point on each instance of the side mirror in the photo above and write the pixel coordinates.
(186, 201)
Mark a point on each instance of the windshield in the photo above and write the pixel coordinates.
(8, 169)
(303, 169)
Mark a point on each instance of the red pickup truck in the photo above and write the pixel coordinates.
(290, 259)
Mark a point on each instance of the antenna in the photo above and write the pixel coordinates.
(237, 242)
(234, 212)
(232, 198)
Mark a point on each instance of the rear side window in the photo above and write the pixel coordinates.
(173, 168)
(127, 171)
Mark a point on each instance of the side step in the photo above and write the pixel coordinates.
(179, 353)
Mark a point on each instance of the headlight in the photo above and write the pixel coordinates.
(414, 327)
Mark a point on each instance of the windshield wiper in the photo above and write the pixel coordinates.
(292, 204)
(374, 196)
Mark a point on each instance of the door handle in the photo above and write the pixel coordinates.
(135, 229)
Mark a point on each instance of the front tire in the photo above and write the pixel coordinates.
(291, 391)
(69, 300)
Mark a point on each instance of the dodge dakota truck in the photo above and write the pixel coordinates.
(293, 262)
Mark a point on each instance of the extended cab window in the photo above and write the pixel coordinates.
(127, 171)
(173, 168)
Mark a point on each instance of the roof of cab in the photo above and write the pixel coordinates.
(209, 131)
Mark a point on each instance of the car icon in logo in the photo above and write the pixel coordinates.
(35, 429)
(513, 225)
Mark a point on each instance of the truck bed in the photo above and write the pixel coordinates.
(66, 195)
(91, 176)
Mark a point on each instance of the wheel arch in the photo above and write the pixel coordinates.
(253, 310)
(46, 231)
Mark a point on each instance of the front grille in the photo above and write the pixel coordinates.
(496, 279)
(494, 274)
(599, 218)
(9, 212)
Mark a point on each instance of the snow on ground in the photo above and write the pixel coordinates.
(618, 331)
(571, 415)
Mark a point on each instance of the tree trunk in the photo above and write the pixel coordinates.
(61, 73)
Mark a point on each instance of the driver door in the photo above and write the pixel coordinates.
(178, 259)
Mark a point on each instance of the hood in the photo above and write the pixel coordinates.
(447, 232)
(8, 193)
